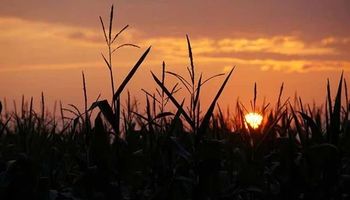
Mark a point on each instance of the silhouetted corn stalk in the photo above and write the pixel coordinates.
(112, 112)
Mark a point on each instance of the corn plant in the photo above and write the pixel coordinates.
(192, 116)
(112, 111)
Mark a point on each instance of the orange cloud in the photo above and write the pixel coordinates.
(286, 45)
(334, 40)
(301, 66)
(209, 50)
(40, 45)
(19, 28)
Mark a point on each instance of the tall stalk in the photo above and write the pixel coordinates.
(115, 101)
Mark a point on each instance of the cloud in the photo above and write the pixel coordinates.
(285, 45)
(282, 53)
(301, 66)
(38, 45)
(19, 28)
(26, 44)
(334, 41)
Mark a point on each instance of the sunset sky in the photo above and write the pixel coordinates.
(45, 44)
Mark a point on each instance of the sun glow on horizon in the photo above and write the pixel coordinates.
(253, 119)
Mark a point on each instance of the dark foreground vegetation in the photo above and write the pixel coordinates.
(299, 152)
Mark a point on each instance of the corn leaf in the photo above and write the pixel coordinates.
(130, 75)
(205, 123)
(172, 98)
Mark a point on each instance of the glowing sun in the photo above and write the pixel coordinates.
(253, 119)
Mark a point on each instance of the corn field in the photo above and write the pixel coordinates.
(109, 151)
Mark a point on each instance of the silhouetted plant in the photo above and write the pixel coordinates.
(301, 151)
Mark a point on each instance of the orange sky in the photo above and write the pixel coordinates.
(44, 45)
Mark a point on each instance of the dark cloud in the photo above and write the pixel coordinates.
(312, 18)
(79, 35)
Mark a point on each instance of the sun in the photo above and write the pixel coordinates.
(253, 119)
